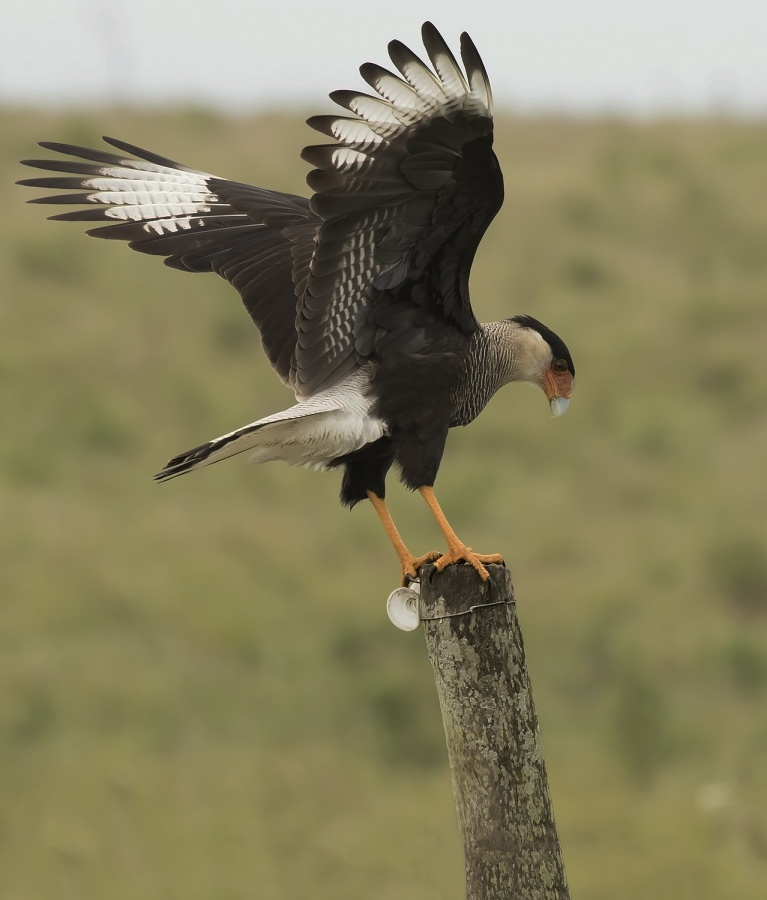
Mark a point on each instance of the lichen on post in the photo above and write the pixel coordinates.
(501, 792)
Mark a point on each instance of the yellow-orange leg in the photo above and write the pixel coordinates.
(409, 564)
(457, 550)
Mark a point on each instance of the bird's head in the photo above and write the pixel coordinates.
(542, 358)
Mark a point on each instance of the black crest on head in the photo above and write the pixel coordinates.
(558, 346)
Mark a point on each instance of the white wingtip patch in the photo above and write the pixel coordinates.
(415, 98)
(349, 160)
(356, 134)
(169, 226)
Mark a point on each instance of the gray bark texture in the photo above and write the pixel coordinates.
(500, 786)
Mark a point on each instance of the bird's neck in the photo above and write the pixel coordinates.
(491, 361)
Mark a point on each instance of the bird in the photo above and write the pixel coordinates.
(360, 292)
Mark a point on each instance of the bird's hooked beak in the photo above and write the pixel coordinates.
(557, 386)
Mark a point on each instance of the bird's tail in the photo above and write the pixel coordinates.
(268, 439)
(313, 433)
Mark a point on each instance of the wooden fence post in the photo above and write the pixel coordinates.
(500, 786)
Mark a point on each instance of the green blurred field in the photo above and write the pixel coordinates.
(200, 694)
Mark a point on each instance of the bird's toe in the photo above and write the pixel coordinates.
(411, 567)
(460, 553)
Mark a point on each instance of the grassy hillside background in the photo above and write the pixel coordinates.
(200, 694)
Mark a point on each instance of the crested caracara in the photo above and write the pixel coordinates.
(360, 293)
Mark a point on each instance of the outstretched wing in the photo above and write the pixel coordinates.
(377, 263)
(260, 241)
(405, 196)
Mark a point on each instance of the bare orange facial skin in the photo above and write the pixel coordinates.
(557, 384)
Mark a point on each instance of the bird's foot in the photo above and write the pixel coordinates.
(458, 552)
(411, 565)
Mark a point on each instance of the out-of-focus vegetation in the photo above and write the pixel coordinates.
(201, 695)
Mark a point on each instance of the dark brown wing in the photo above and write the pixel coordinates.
(378, 263)
(260, 241)
(405, 197)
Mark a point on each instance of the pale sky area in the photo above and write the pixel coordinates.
(642, 57)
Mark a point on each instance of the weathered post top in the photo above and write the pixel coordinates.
(499, 776)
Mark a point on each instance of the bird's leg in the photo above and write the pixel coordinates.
(457, 550)
(409, 564)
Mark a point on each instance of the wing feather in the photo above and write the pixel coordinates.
(404, 197)
(258, 240)
(375, 264)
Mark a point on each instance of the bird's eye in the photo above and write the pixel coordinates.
(559, 366)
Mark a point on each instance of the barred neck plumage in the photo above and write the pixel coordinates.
(491, 361)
